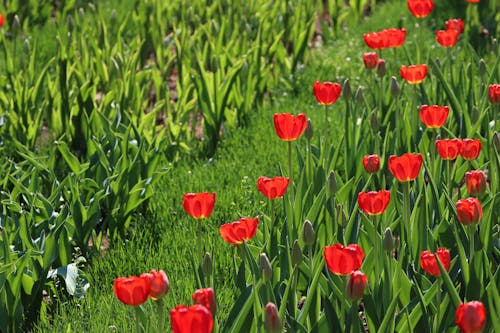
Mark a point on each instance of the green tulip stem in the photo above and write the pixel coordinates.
(309, 163)
(472, 231)
(200, 250)
(407, 214)
(255, 289)
(326, 119)
(161, 315)
(137, 319)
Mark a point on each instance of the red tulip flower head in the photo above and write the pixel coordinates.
(471, 317)
(434, 116)
(199, 205)
(494, 93)
(326, 93)
(473, 1)
(449, 149)
(476, 182)
(371, 163)
(405, 167)
(395, 37)
(420, 8)
(385, 39)
(206, 297)
(455, 24)
(133, 290)
(158, 281)
(370, 60)
(469, 211)
(2, 20)
(414, 74)
(272, 188)
(429, 263)
(272, 320)
(356, 285)
(447, 38)
(374, 203)
(192, 319)
(237, 232)
(289, 127)
(470, 149)
(343, 260)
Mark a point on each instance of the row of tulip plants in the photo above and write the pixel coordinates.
(394, 228)
(88, 110)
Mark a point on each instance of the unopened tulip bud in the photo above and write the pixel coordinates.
(308, 133)
(158, 282)
(272, 320)
(346, 89)
(296, 253)
(71, 22)
(474, 114)
(81, 12)
(332, 182)
(356, 285)
(381, 68)
(114, 16)
(494, 45)
(308, 234)
(496, 140)
(265, 267)
(207, 264)
(438, 62)
(481, 68)
(395, 89)
(397, 242)
(341, 216)
(374, 122)
(388, 240)
(358, 96)
(16, 24)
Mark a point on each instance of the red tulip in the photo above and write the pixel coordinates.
(374, 203)
(471, 317)
(237, 232)
(476, 182)
(469, 211)
(405, 167)
(206, 297)
(272, 320)
(158, 282)
(473, 1)
(386, 38)
(371, 163)
(395, 37)
(494, 93)
(434, 116)
(420, 8)
(272, 188)
(447, 38)
(429, 263)
(414, 74)
(449, 149)
(289, 127)
(455, 24)
(370, 59)
(470, 149)
(343, 260)
(199, 205)
(192, 319)
(356, 285)
(133, 290)
(2, 20)
(326, 93)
